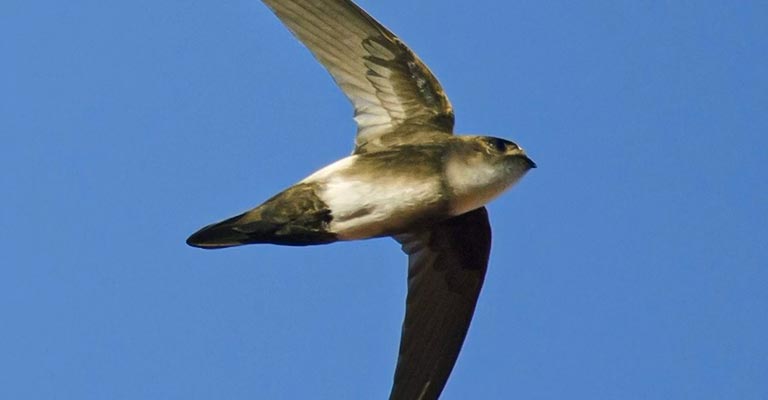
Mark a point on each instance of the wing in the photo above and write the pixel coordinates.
(396, 98)
(446, 268)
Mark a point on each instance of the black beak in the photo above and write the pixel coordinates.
(531, 164)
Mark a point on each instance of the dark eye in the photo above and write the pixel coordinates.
(500, 145)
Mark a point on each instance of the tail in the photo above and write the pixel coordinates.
(293, 217)
(222, 234)
(245, 229)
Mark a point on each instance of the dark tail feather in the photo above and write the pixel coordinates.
(220, 235)
(243, 229)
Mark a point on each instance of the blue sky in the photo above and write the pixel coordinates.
(632, 264)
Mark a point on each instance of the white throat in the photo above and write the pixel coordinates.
(475, 183)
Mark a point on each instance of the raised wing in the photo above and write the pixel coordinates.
(396, 98)
(446, 268)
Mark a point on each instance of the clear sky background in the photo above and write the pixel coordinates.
(632, 264)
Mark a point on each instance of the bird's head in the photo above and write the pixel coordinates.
(497, 151)
(480, 168)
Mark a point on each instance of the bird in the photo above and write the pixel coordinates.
(409, 177)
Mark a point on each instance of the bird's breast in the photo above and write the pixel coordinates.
(474, 183)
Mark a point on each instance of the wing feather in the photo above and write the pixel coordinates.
(394, 94)
(446, 269)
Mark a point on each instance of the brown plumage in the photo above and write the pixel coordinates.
(408, 177)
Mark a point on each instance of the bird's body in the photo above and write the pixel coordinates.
(408, 178)
(383, 193)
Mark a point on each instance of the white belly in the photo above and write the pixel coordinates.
(368, 205)
(363, 209)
